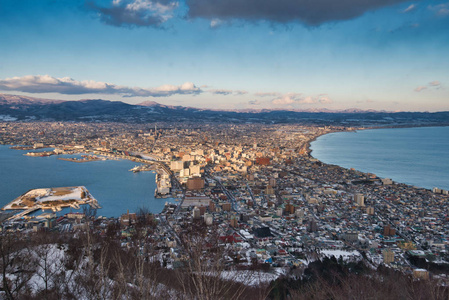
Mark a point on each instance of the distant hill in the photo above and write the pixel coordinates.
(6, 99)
(29, 108)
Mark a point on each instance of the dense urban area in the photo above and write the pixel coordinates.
(254, 216)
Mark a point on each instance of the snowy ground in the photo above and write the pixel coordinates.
(73, 194)
(52, 194)
(7, 118)
(345, 255)
(252, 278)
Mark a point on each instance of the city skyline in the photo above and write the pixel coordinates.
(230, 55)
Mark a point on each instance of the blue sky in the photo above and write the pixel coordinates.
(235, 54)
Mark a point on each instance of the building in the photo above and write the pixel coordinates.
(290, 208)
(351, 236)
(196, 213)
(279, 212)
(389, 231)
(312, 226)
(388, 256)
(196, 201)
(195, 183)
(386, 181)
(421, 274)
(128, 219)
(359, 199)
(262, 161)
(269, 190)
(234, 222)
(226, 206)
(73, 215)
(195, 170)
(208, 219)
(176, 165)
(211, 206)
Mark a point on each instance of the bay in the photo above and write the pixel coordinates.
(116, 189)
(415, 156)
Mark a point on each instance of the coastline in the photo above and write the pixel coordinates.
(414, 186)
(78, 160)
(308, 143)
(111, 202)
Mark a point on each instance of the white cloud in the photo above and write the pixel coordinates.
(410, 8)
(435, 83)
(289, 98)
(221, 92)
(441, 10)
(420, 88)
(307, 100)
(136, 12)
(269, 94)
(240, 92)
(227, 92)
(254, 102)
(298, 98)
(324, 99)
(66, 85)
(214, 23)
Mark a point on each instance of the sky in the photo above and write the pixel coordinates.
(388, 55)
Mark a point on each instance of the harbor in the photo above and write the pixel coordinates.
(163, 181)
(84, 158)
(54, 199)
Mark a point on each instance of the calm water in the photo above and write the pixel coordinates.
(416, 156)
(110, 182)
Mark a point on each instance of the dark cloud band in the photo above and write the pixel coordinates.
(310, 12)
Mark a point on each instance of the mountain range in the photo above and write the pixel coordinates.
(23, 108)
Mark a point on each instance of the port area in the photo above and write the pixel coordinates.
(83, 158)
(163, 180)
(40, 153)
(54, 199)
(19, 147)
(143, 168)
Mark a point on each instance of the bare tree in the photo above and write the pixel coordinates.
(15, 265)
(205, 274)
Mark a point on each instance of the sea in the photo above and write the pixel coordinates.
(415, 156)
(116, 189)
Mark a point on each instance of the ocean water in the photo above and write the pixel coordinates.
(415, 156)
(110, 182)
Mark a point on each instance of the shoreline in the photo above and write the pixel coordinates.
(78, 160)
(308, 144)
(152, 202)
(310, 156)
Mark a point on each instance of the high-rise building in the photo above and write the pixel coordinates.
(211, 206)
(388, 256)
(389, 231)
(226, 206)
(195, 170)
(196, 213)
(195, 183)
(208, 219)
(177, 165)
(279, 212)
(359, 199)
(312, 226)
(234, 222)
